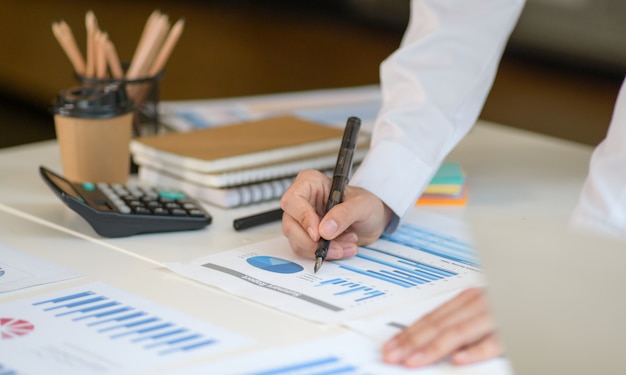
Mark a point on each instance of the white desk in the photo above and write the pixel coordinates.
(510, 171)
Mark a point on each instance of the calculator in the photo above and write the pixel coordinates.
(120, 210)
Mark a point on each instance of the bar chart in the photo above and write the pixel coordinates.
(118, 321)
(441, 245)
(112, 332)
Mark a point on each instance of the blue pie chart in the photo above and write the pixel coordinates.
(273, 264)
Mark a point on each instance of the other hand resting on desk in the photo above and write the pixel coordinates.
(461, 329)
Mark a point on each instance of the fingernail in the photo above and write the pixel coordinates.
(329, 228)
(394, 355)
(349, 251)
(461, 356)
(351, 237)
(311, 233)
(335, 251)
(415, 360)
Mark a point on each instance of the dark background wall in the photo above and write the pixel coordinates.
(237, 48)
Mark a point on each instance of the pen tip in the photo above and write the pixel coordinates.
(318, 264)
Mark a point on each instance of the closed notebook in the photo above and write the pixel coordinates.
(240, 146)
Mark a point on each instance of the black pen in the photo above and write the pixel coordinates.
(258, 219)
(340, 180)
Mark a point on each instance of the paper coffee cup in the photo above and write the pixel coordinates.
(94, 127)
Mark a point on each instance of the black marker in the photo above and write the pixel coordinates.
(258, 219)
(340, 180)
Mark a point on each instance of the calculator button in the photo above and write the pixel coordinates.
(172, 205)
(88, 186)
(196, 213)
(136, 203)
(153, 204)
(160, 211)
(173, 195)
(142, 210)
(178, 212)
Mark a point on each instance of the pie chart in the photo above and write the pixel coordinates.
(273, 264)
(11, 328)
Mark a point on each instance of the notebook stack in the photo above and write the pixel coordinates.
(239, 164)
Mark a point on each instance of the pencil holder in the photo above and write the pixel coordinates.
(145, 93)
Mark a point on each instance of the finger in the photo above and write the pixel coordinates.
(359, 208)
(432, 327)
(344, 246)
(486, 348)
(299, 240)
(466, 333)
(432, 324)
(304, 199)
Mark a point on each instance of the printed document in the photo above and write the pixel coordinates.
(97, 329)
(415, 262)
(20, 270)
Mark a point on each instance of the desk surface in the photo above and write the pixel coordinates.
(510, 171)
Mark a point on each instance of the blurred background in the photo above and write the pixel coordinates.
(560, 73)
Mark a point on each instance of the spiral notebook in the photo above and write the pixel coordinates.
(223, 197)
(273, 189)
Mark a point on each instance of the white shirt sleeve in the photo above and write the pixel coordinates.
(602, 204)
(434, 87)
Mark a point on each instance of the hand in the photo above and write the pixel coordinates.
(359, 220)
(462, 329)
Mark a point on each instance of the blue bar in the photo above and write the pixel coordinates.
(432, 269)
(92, 308)
(173, 341)
(299, 366)
(372, 274)
(395, 279)
(141, 330)
(119, 319)
(371, 296)
(403, 276)
(332, 281)
(105, 313)
(423, 276)
(188, 347)
(79, 303)
(129, 325)
(390, 265)
(350, 291)
(66, 298)
(183, 339)
(412, 263)
(162, 335)
(435, 244)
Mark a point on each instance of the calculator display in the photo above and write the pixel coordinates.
(64, 185)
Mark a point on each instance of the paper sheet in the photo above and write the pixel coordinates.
(346, 354)
(98, 329)
(19, 270)
(415, 262)
(330, 107)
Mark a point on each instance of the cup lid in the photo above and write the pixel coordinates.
(93, 101)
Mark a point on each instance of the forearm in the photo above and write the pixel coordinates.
(433, 87)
